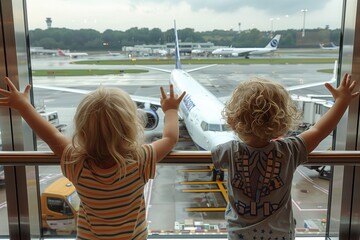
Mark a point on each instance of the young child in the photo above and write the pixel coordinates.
(260, 169)
(105, 160)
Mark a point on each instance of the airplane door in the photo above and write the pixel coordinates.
(194, 125)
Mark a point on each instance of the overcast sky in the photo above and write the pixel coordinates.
(201, 15)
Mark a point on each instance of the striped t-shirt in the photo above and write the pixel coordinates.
(111, 208)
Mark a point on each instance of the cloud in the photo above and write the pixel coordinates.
(274, 7)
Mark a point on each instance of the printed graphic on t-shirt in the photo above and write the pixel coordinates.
(257, 175)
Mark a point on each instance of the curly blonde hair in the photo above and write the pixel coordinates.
(261, 108)
(107, 127)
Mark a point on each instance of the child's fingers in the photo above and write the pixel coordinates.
(10, 84)
(352, 85)
(163, 94)
(330, 88)
(344, 79)
(355, 94)
(181, 97)
(171, 91)
(27, 89)
(4, 92)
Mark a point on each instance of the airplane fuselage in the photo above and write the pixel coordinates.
(201, 112)
(242, 51)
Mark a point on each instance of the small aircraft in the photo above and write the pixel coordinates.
(71, 54)
(332, 47)
(246, 52)
(43, 51)
(114, 53)
(161, 52)
(197, 51)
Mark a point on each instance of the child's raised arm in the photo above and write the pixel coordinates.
(327, 123)
(45, 130)
(170, 106)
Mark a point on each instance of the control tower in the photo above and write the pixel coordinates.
(48, 22)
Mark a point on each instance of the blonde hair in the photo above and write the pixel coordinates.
(261, 108)
(107, 127)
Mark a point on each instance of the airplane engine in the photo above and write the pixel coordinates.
(150, 118)
(235, 54)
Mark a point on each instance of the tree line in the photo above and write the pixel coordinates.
(114, 40)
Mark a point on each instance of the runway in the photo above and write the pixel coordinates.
(181, 199)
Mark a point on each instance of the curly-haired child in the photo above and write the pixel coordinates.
(261, 165)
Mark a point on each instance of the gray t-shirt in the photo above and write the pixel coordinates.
(259, 187)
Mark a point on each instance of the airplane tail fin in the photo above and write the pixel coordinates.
(274, 42)
(333, 45)
(60, 52)
(177, 50)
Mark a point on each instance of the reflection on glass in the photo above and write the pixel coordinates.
(182, 199)
(4, 226)
(59, 202)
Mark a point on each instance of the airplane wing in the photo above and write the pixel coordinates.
(148, 105)
(302, 86)
(153, 68)
(243, 53)
(169, 71)
(135, 98)
(200, 68)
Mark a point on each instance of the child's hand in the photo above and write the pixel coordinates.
(14, 98)
(171, 102)
(344, 91)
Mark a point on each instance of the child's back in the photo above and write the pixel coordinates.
(261, 165)
(106, 160)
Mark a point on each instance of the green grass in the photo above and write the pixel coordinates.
(240, 61)
(209, 61)
(84, 72)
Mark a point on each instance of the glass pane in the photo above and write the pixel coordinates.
(95, 51)
(59, 203)
(4, 226)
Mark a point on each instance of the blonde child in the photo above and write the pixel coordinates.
(105, 159)
(260, 169)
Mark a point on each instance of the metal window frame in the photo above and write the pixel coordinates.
(17, 137)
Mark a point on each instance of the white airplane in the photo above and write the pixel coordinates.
(42, 51)
(114, 53)
(197, 51)
(200, 110)
(270, 47)
(161, 52)
(71, 54)
(332, 47)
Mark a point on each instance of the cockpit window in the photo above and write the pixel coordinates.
(214, 127)
(204, 126)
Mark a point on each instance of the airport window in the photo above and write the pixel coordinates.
(91, 55)
(72, 54)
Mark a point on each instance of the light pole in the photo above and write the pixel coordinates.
(272, 26)
(304, 13)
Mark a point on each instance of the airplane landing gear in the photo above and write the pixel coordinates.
(217, 173)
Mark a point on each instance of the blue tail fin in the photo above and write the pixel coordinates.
(177, 50)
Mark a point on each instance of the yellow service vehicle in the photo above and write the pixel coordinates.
(60, 205)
